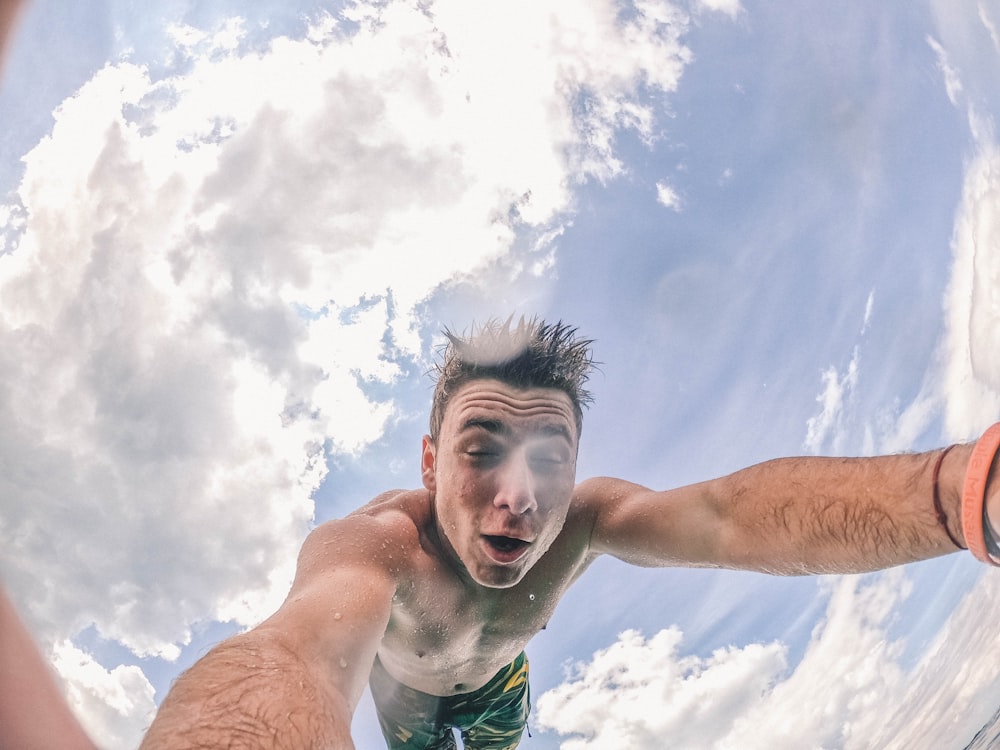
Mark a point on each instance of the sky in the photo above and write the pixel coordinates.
(231, 234)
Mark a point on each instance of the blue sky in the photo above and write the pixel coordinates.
(231, 233)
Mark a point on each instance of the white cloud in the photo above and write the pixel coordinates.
(966, 380)
(667, 196)
(826, 431)
(210, 270)
(990, 23)
(952, 80)
(848, 674)
(869, 308)
(972, 305)
(113, 705)
(848, 691)
(641, 693)
(730, 7)
(953, 691)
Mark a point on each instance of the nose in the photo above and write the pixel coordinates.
(515, 490)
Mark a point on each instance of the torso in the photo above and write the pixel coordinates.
(448, 635)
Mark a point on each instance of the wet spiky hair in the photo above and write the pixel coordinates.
(528, 354)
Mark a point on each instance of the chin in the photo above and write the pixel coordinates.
(499, 579)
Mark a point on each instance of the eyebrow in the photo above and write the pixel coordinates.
(497, 427)
(493, 426)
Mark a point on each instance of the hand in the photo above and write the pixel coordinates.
(991, 503)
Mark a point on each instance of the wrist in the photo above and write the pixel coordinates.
(954, 500)
(978, 524)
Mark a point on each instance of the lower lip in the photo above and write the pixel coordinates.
(504, 557)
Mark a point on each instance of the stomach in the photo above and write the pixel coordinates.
(441, 661)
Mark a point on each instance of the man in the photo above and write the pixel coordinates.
(431, 595)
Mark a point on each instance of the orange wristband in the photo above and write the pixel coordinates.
(974, 493)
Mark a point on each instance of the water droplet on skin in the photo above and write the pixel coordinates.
(343, 663)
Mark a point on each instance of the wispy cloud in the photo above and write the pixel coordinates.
(825, 430)
(952, 80)
(830, 430)
(971, 383)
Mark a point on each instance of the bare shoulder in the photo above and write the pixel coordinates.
(372, 536)
(601, 495)
(348, 572)
(401, 506)
(340, 602)
(595, 500)
(680, 526)
(606, 489)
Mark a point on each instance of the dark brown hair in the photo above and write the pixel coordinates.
(528, 354)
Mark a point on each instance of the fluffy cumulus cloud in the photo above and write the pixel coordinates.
(206, 273)
(108, 701)
(849, 690)
(641, 694)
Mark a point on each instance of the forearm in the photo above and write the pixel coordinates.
(251, 692)
(842, 515)
(33, 712)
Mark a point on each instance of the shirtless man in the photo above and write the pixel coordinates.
(431, 595)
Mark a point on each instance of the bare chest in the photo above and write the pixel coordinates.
(444, 639)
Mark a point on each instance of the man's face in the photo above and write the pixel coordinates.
(502, 474)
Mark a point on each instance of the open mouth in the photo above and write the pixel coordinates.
(505, 548)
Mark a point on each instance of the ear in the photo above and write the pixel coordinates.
(427, 464)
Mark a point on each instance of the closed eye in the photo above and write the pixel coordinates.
(548, 461)
(482, 455)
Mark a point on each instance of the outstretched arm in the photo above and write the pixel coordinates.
(294, 680)
(33, 712)
(791, 516)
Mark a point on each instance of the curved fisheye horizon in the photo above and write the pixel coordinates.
(231, 236)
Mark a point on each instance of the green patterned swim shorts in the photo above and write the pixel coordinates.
(491, 718)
